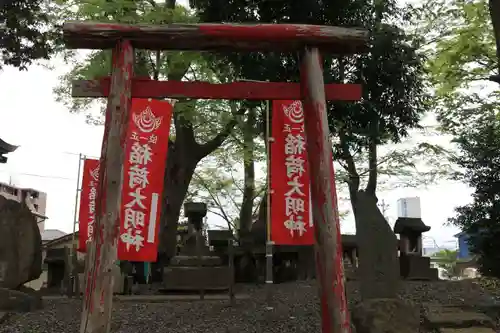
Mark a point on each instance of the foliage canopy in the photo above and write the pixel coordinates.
(26, 33)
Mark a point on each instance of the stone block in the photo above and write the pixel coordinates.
(386, 316)
(19, 301)
(467, 330)
(204, 261)
(458, 319)
(194, 278)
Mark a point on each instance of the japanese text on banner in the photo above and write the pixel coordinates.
(146, 149)
(290, 210)
(88, 197)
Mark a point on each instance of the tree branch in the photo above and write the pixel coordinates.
(214, 198)
(218, 140)
(235, 182)
(351, 166)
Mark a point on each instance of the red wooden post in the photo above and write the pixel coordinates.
(96, 314)
(325, 212)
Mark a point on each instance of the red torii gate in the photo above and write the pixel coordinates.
(121, 87)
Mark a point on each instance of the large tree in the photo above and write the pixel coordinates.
(494, 9)
(199, 127)
(25, 32)
(479, 158)
(461, 57)
(394, 100)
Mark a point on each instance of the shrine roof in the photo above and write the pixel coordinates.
(6, 147)
(216, 37)
(410, 224)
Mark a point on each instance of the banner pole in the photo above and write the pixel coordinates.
(269, 242)
(73, 259)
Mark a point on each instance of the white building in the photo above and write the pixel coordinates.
(35, 200)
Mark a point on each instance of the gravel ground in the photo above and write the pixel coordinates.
(295, 310)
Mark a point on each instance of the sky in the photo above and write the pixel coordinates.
(51, 139)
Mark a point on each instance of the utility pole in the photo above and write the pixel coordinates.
(384, 208)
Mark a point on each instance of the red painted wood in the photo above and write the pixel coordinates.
(216, 37)
(328, 250)
(145, 88)
(101, 262)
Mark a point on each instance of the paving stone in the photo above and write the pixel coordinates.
(467, 330)
(458, 319)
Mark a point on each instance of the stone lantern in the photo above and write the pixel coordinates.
(413, 266)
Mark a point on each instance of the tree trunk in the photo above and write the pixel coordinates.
(378, 269)
(378, 266)
(246, 210)
(183, 156)
(494, 6)
(180, 170)
(258, 229)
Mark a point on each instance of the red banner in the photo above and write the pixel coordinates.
(88, 196)
(291, 217)
(145, 157)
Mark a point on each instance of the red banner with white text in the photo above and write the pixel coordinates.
(146, 149)
(88, 197)
(291, 217)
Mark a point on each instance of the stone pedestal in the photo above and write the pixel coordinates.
(192, 278)
(417, 268)
(195, 268)
(192, 273)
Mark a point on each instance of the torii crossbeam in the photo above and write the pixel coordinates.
(121, 87)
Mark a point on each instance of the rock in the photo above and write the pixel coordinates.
(386, 316)
(378, 269)
(18, 301)
(36, 296)
(3, 316)
(20, 245)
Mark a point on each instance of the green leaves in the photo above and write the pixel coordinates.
(480, 162)
(27, 34)
(462, 56)
(464, 49)
(447, 260)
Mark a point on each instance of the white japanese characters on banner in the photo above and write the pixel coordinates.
(146, 151)
(92, 201)
(88, 197)
(289, 176)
